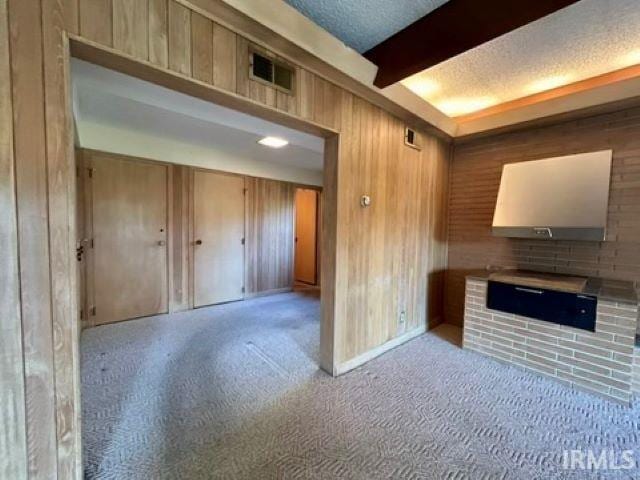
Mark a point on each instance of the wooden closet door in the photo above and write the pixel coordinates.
(306, 235)
(129, 254)
(218, 231)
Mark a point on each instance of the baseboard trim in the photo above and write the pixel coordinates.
(355, 362)
(265, 293)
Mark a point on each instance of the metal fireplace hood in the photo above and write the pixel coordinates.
(561, 198)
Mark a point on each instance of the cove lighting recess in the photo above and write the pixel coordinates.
(547, 83)
(273, 142)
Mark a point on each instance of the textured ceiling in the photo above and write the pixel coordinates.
(589, 38)
(362, 24)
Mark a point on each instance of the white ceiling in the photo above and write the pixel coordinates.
(122, 114)
(589, 38)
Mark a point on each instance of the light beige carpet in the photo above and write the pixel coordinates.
(234, 391)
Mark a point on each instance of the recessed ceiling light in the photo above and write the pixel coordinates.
(547, 83)
(273, 142)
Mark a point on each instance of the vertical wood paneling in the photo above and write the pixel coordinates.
(438, 181)
(326, 102)
(269, 235)
(130, 27)
(202, 47)
(180, 205)
(287, 101)
(475, 179)
(13, 447)
(96, 21)
(242, 66)
(33, 236)
(224, 58)
(71, 15)
(179, 38)
(62, 238)
(385, 294)
(158, 29)
(304, 93)
(362, 290)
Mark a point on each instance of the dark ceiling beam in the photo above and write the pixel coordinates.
(453, 28)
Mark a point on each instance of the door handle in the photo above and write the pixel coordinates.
(198, 242)
(161, 243)
(529, 290)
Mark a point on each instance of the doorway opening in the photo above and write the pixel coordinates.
(183, 222)
(179, 204)
(307, 241)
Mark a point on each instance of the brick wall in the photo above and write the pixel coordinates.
(474, 180)
(599, 362)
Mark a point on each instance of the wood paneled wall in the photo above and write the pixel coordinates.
(377, 262)
(394, 247)
(44, 194)
(180, 281)
(13, 447)
(269, 231)
(475, 178)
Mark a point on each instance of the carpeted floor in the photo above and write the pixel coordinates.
(234, 391)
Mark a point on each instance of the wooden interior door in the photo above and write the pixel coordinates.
(82, 242)
(218, 232)
(306, 235)
(129, 234)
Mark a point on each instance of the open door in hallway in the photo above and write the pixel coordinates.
(306, 235)
(218, 232)
(128, 259)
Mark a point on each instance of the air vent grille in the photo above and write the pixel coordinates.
(262, 68)
(283, 76)
(411, 138)
(272, 72)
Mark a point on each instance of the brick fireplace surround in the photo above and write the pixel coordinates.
(600, 362)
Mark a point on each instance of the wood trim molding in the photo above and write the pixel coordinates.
(617, 95)
(549, 120)
(349, 365)
(110, 58)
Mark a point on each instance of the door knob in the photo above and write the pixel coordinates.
(198, 242)
(161, 243)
